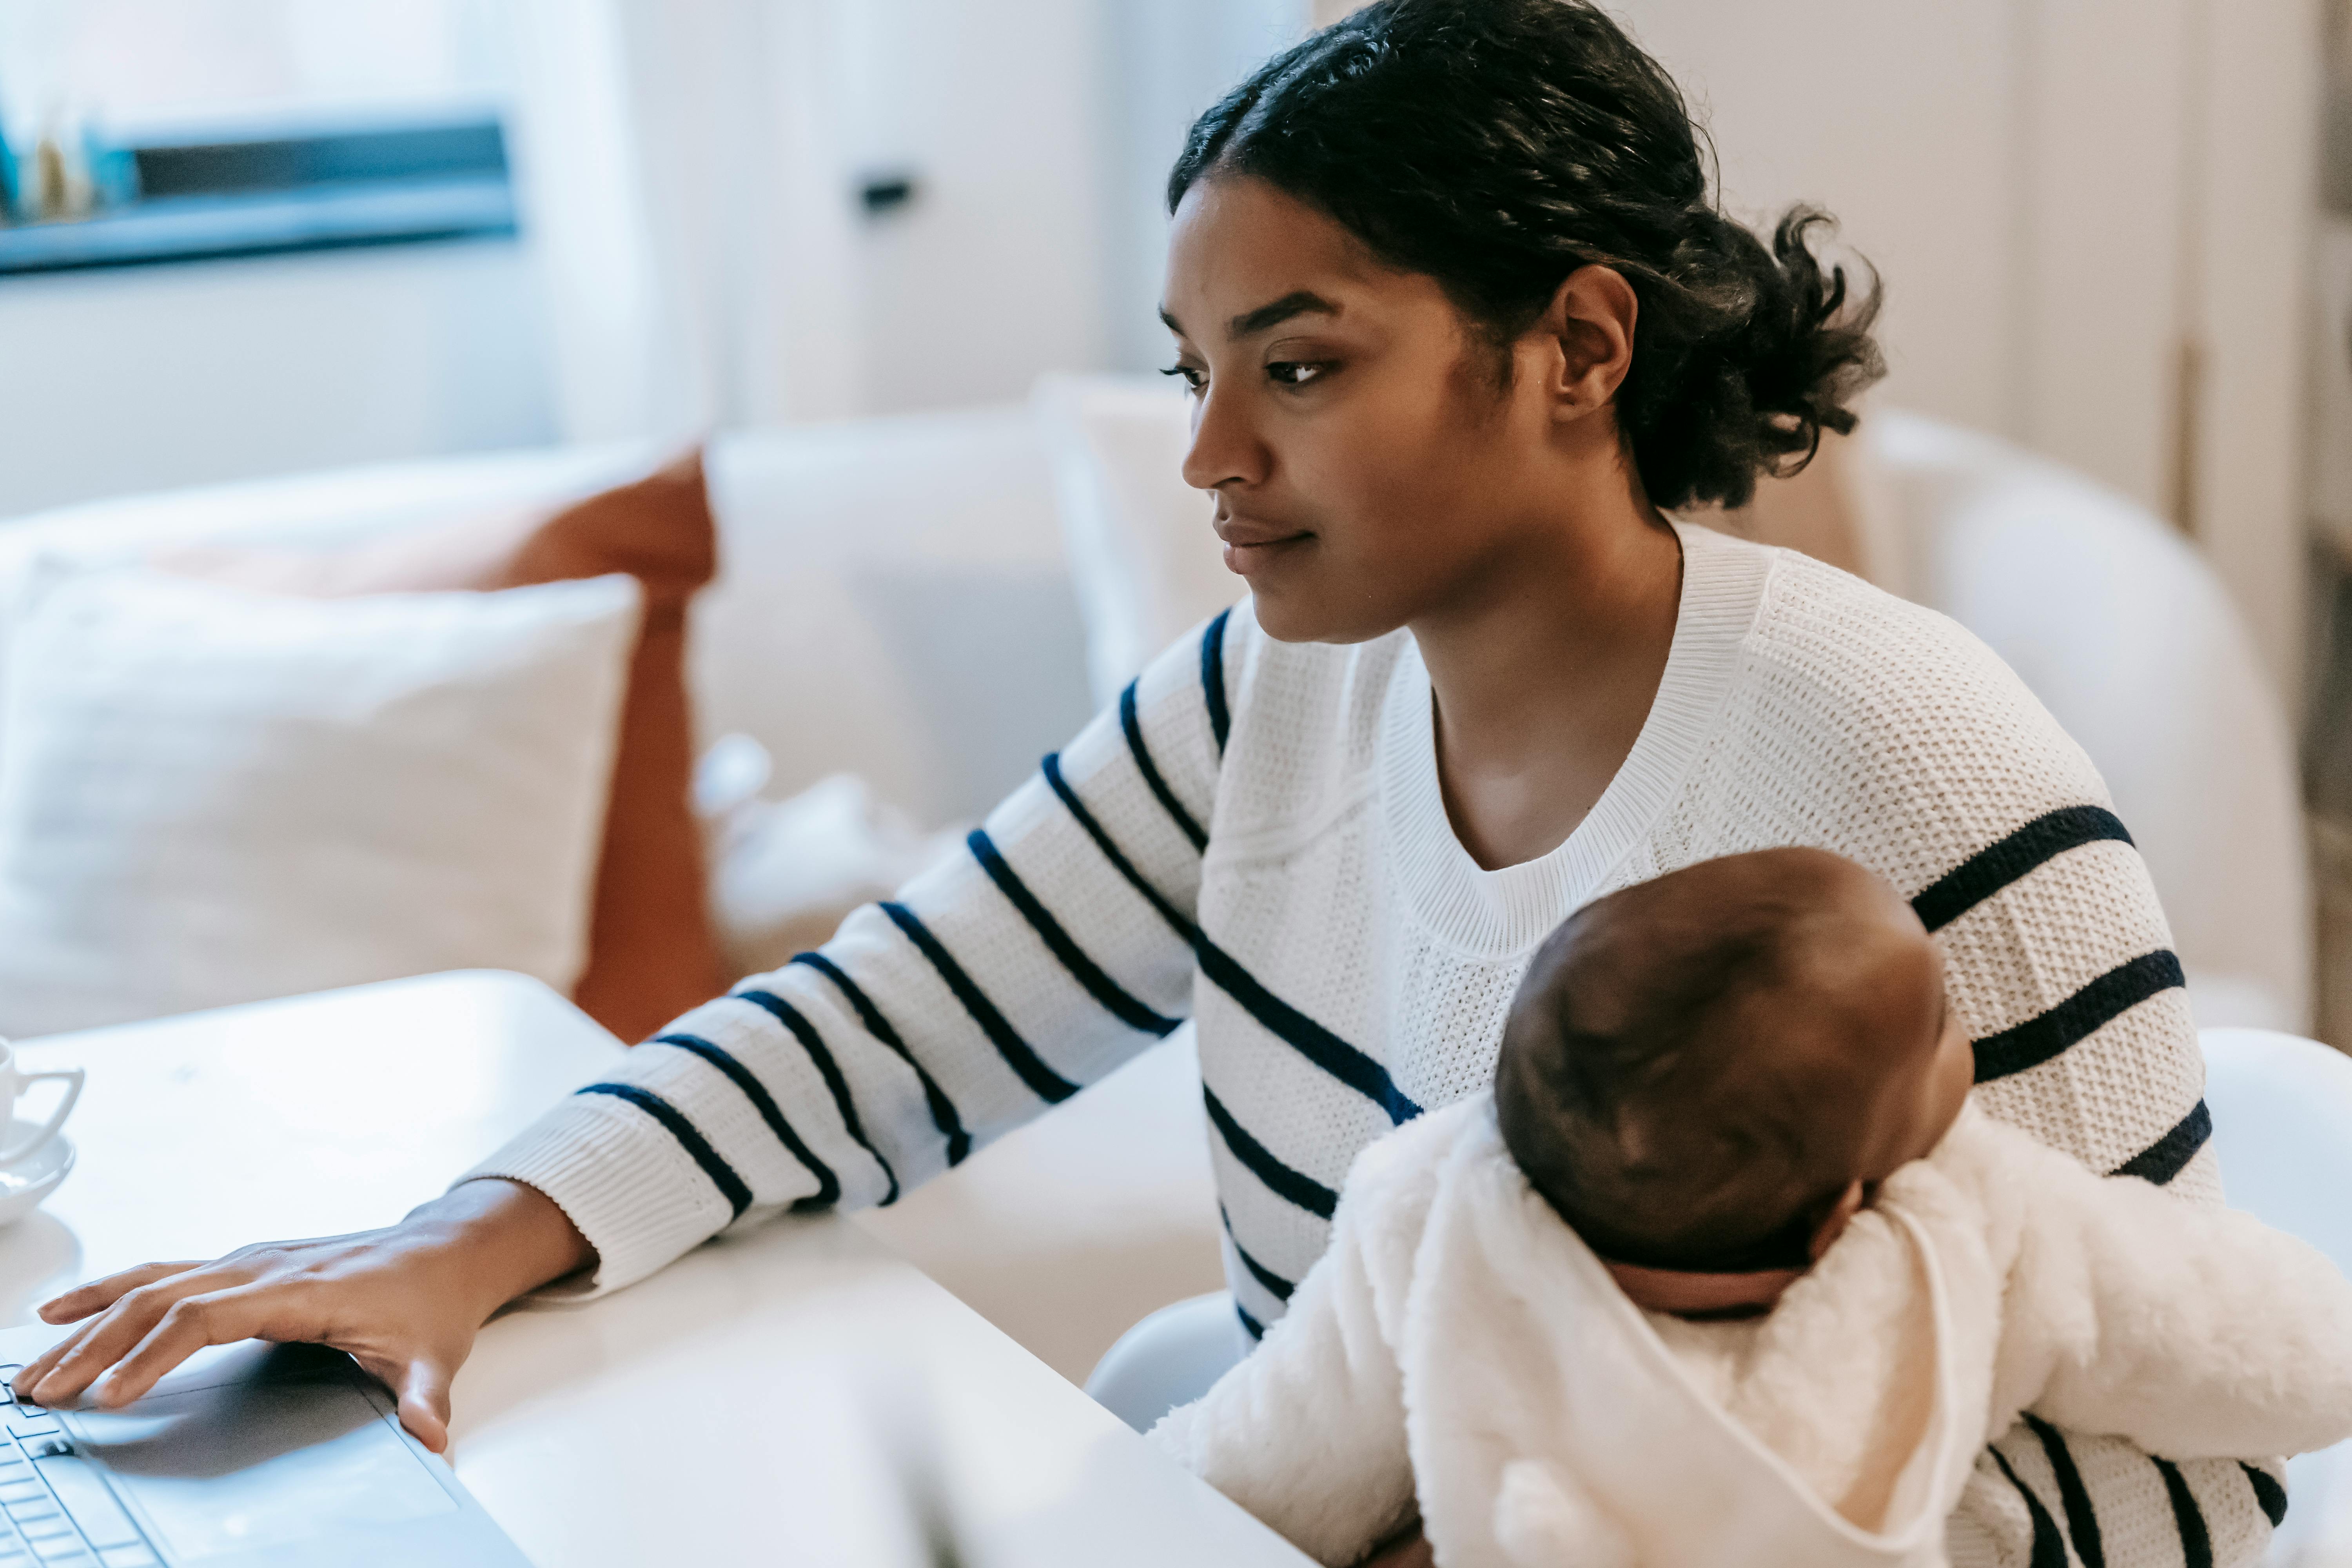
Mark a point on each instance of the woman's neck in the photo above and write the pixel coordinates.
(1544, 670)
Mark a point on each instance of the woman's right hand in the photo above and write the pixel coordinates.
(405, 1301)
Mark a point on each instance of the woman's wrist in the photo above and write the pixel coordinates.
(506, 1238)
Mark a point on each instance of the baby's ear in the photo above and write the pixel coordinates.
(1543, 1518)
(1833, 1224)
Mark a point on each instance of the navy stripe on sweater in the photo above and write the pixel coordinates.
(1295, 1029)
(1250, 1326)
(2196, 1540)
(2169, 1155)
(805, 1032)
(1132, 723)
(2081, 1520)
(1044, 1081)
(2049, 1551)
(1280, 1179)
(828, 1185)
(1114, 999)
(1275, 1285)
(2095, 1005)
(1990, 871)
(1212, 678)
(2269, 1496)
(722, 1174)
(942, 1109)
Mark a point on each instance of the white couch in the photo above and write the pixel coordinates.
(895, 601)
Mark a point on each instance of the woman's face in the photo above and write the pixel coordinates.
(1368, 466)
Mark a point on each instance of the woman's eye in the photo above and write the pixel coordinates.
(1192, 377)
(1296, 372)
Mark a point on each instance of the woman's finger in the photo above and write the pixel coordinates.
(423, 1390)
(116, 1333)
(185, 1327)
(99, 1294)
(29, 1376)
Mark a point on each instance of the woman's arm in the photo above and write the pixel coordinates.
(1053, 948)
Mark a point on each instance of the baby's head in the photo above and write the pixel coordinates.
(1709, 1071)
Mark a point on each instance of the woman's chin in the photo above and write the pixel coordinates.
(1287, 613)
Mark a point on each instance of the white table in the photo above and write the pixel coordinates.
(766, 1399)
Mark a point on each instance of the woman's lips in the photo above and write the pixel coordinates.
(1244, 556)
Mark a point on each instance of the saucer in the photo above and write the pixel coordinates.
(23, 1184)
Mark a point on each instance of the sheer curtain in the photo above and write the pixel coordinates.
(680, 173)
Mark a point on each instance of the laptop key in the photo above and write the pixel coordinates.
(86, 1495)
(128, 1557)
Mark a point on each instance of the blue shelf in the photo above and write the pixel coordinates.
(325, 216)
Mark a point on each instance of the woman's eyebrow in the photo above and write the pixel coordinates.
(1298, 302)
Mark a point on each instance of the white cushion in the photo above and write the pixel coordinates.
(786, 874)
(210, 796)
(1145, 563)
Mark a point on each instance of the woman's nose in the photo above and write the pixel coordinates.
(1225, 450)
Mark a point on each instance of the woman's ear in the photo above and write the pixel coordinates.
(1587, 339)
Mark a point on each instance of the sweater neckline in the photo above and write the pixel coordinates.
(1503, 912)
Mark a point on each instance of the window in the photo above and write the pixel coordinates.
(139, 130)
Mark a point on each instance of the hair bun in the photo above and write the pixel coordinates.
(1744, 355)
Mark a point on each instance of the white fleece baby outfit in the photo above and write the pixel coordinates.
(1460, 1342)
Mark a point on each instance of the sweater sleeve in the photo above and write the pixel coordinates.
(1056, 945)
(1308, 1433)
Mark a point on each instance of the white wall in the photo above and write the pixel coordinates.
(1171, 60)
(998, 269)
(2062, 195)
(142, 378)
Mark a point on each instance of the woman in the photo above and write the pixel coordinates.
(1459, 317)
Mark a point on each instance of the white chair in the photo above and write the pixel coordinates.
(2283, 1124)
(1168, 1359)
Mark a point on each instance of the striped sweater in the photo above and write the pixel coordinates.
(1254, 837)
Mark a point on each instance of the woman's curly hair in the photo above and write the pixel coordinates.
(1498, 145)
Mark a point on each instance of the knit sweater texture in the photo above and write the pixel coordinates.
(1254, 837)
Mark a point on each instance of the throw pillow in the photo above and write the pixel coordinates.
(652, 953)
(212, 796)
(786, 874)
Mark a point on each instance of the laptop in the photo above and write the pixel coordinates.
(247, 1456)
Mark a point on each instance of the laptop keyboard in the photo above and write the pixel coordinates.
(58, 1513)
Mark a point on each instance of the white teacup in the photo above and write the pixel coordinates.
(14, 1081)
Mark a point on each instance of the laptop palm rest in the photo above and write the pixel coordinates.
(291, 1451)
(247, 1456)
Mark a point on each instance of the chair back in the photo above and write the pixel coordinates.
(2282, 1126)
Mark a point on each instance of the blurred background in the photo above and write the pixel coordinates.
(249, 237)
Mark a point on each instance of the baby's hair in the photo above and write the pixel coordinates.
(1668, 1062)
(1498, 145)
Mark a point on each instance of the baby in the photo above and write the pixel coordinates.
(1726, 1270)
